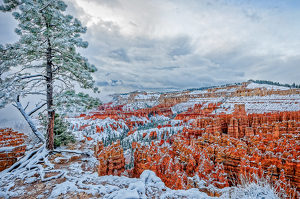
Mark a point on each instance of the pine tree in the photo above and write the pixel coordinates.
(44, 61)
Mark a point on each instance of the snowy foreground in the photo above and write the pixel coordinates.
(79, 179)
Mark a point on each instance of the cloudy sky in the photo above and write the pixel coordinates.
(179, 44)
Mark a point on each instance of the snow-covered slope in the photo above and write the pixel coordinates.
(258, 98)
(253, 85)
(78, 182)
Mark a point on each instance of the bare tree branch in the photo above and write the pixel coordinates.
(26, 106)
(19, 106)
(34, 93)
(32, 76)
(36, 109)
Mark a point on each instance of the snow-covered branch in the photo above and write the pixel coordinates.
(26, 106)
(34, 93)
(88, 153)
(43, 8)
(36, 109)
(32, 76)
(19, 106)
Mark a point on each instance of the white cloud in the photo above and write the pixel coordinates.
(141, 44)
(181, 44)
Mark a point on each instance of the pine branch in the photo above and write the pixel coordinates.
(45, 6)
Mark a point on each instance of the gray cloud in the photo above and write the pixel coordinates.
(119, 54)
(139, 44)
(180, 44)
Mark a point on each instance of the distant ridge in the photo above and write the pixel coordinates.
(267, 82)
(274, 83)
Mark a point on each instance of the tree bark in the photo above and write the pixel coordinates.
(50, 110)
(50, 137)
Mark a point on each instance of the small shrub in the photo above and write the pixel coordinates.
(62, 136)
(251, 186)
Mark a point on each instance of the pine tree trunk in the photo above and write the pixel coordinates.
(50, 136)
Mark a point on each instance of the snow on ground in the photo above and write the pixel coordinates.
(253, 104)
(78, 181)
(140, 105)
(140, 119)
(81, 181)
(196, 92)
(226, 90)
(91, 125)
(184, 106)
(251, 191)
(148, 96)
(264, 104)
(253, 85)
(142, 101)
(139, 133)
(121, 129)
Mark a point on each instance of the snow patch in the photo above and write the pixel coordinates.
(253, 85)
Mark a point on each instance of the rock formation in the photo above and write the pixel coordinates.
(111, 159)
(220, 138)
(11, 147)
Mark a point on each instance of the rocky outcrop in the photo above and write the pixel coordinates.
(177, 165)
(111, 159)
(12, 147)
